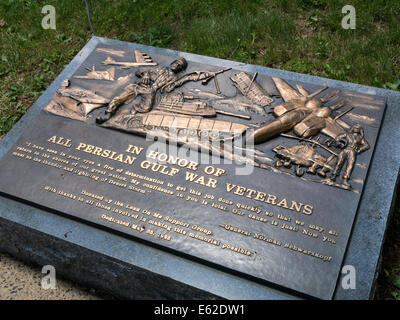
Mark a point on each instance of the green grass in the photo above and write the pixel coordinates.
(389, 278)
(302, 36)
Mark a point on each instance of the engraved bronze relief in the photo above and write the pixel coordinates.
(107, 74)
(145, 97)
(142, 59)
(164, 173)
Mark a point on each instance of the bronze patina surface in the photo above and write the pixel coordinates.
(241, 171)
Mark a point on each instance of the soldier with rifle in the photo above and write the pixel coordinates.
(150, 81)
(352, 144)
(204, 76)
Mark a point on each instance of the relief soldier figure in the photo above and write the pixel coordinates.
(151, 80)
(202, 124)
(353, 143)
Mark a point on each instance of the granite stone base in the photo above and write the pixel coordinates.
(129, 269)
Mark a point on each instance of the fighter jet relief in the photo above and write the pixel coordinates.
(307, 116)
(246, 117)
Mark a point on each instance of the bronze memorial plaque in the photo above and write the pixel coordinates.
(242, 171)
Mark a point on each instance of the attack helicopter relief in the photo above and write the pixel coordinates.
(315, 135)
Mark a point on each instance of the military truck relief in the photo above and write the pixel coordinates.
(311, 135)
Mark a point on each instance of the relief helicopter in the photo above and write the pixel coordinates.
(163, 112)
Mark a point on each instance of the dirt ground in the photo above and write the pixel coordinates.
(389, 278)
(19, 281)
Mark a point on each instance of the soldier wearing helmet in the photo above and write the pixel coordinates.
(353, 143)
(150, 80)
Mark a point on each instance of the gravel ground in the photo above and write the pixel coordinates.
(19, 281)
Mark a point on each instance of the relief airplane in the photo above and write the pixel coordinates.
(142, 59)
(303, 113)
(186, 120)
